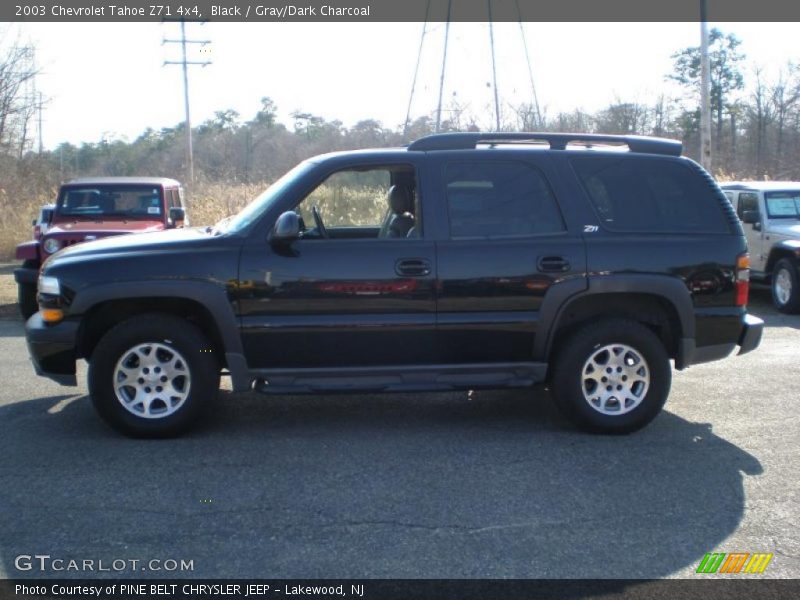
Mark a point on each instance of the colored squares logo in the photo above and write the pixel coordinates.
(734, 562)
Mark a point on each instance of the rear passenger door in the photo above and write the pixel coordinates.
(503, 244)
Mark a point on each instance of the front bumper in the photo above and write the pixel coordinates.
(25, 275)
(750, 338)
(52, 348)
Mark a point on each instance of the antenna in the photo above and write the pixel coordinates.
(185, 64)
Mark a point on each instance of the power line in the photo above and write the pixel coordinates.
(416, 68)
(494, 69)
(444, 64)
(184, 62)
(530, 69)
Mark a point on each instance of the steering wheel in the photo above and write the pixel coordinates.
(318, 220)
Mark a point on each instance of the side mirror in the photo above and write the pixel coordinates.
(750, 216)
(176, 215)
(287, 228)
(47, 216)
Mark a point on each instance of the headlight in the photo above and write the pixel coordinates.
(51, 245)
(49, 285)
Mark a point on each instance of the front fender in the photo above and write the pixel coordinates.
(212, 297)
(28, 250)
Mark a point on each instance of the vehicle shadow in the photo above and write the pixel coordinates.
(487, 485)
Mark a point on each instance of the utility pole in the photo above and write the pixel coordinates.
(705, 92)
(185, 64)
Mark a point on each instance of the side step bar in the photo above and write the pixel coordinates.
(399, 379)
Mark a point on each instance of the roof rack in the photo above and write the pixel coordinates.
(557, 141)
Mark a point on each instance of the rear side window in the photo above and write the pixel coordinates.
(650, 195)
(498, 200)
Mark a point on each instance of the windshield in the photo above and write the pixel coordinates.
(253, 211)
(783, 205)
(128, 201)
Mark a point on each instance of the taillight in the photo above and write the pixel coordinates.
(742, 279)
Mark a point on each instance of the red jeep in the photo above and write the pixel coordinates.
(91, 208)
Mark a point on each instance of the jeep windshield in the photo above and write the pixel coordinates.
(253, 211)
(112, 201)
(783, 205)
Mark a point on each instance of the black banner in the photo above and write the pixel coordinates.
(398, 10)
(381, 589)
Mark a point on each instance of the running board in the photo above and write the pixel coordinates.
(411, 378)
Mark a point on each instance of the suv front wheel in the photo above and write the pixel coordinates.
(785, 287)
(151, 375)
(611, 377)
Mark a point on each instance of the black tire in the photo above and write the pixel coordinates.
(785, 272)
(26, 293)
(568, 380)
(169, 338)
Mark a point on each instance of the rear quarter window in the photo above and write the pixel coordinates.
(639, 194)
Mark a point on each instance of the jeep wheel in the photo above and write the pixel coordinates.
(150, 376)
(611, 377)
(26, 293)
(785, 287)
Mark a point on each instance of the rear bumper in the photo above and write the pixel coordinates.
(52, 349)
(750, 337)
(744, 332)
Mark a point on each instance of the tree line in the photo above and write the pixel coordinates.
(755, 130)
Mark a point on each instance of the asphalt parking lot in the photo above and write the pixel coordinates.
(488, 485)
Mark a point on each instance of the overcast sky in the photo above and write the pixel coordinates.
(107, 79)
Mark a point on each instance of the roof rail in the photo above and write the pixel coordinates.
(557, 141)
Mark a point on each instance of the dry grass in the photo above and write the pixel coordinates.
(212, 202)
(16, 215)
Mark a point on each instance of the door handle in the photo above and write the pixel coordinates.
(553, 264)
(413, 267)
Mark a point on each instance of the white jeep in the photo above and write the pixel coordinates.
(770, 213)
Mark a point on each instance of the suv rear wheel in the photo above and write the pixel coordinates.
(612, 377)
(151, 375)
(785, 287)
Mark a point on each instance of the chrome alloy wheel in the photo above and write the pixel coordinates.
(152, 380)
(615, 379)
(783, 286)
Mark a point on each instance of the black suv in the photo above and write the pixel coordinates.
(466, 260)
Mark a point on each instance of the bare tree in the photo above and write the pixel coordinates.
(18, 101)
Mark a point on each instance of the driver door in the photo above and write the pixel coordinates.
(347, 293)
